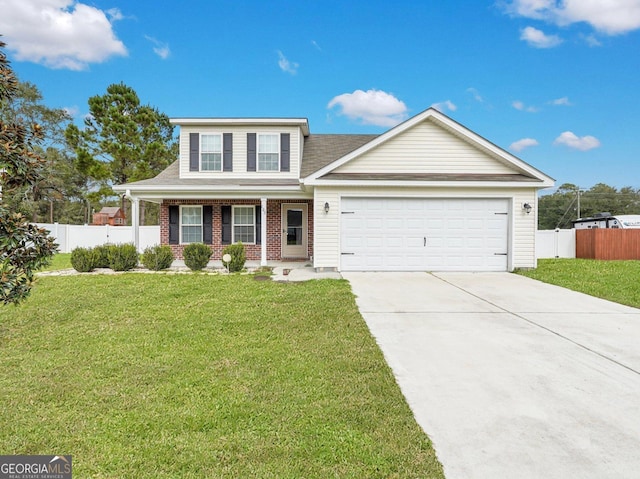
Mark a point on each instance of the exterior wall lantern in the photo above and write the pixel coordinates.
(326, 207)
(527, 208)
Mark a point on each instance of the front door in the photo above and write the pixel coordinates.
(294, 230)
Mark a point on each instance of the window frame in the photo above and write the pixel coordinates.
(220, 152)
(233, 223)
(182, 225)
(277, 152)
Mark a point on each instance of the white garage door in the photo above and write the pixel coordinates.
(417, 234)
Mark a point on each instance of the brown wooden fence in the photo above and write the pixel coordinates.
(608, 243)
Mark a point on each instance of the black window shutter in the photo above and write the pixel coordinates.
(174, 224)
(226, 224)
(251, 152)
(227, 152)
(285, 139)
(258, 224)
(207, 224)
(194, 151)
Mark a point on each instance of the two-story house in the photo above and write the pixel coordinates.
(428, 194)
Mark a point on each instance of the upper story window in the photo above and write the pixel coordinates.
(210, 152)
(268, 152)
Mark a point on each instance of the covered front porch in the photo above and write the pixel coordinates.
(272, 229)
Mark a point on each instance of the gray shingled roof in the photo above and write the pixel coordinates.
(171, 176)
(321, 150)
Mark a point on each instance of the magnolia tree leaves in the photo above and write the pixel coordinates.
(24, 248)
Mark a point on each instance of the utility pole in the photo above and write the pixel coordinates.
(578, 204)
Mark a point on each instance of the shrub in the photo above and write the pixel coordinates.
(123, 257)
(196, 256)
(83, 259)
(157, 257)
(101, 256)
(238, 257)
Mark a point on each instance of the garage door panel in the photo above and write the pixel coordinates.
(373, 223)
(415, 223)
(394, 223)
(476, 243)
(374, 242)
(416, 242)
(461, 234)
(375, 204)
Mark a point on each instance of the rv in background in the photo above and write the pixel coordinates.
(605, 220)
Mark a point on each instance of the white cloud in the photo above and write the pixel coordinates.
(476, 95)
(529, 8)
(60, 33)
(591, 40)
(538, 39)
(564, 101)
(161, 49)
(518, 105)
(315, 44)
(72, 111)
(523, 143)
(570, 139)
(611, 17)
(285, 65)
(444, 105)
(371, 107)
(114, 14)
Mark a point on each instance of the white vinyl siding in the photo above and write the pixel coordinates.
(244, 224)
(190, 224)
(522, 226)
(210, 152)
(426, 148)
(240, 151)
(268, 152)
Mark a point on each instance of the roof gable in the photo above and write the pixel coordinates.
(322, 150)
(429, 144)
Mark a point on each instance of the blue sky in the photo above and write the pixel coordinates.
(557, 83)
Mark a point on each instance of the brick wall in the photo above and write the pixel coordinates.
(274, 227)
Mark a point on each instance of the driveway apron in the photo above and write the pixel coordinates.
(511, 377)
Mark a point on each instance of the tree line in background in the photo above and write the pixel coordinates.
(569, 202)
(120, 141)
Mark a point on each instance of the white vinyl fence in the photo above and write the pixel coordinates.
(69, 237)
(549, 243)
(556, 243)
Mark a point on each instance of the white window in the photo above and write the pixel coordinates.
(244, 224)
(191, 224)
(210, 152)
(268, 153)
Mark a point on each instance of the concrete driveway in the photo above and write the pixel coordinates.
(511, 377)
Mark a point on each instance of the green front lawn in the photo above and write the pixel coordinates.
(617, 281)
(59, 261)
(192, 376)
